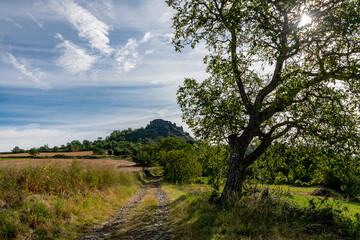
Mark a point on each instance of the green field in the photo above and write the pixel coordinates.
(302, 195)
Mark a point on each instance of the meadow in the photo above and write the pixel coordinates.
(48, 202)
(262, 214)
(63, 198)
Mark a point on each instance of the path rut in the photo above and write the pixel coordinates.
(129, 224)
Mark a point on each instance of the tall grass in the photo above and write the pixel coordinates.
(259, 215)
(51, 203)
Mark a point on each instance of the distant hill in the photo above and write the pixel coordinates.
(124, 139)
(156, 130)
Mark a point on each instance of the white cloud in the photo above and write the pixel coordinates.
(146, 37)
(89, 27)
(39, 23)
(148, 52)
(127, 56)
(9, 20)
(166, 38)
(35, 136)
(88, 127)
(33, 73)
(74, 60)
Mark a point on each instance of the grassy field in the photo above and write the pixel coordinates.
(124, 164)
(49, 154)
(302, 195)
(60, 203)
(260, 215)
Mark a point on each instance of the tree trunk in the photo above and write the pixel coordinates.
(235, 178)
(236, 170)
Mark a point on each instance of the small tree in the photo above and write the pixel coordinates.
(117, 151)
(98, 151)
(17, 150)
(181, 166)
(33, 152)
(213, 159)
(144, 159)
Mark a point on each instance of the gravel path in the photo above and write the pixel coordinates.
(127, 224)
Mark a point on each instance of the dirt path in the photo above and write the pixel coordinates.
(144, 217)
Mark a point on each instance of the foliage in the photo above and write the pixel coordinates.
(178, 159)
(214, 162)
(146, 157)
(33, 152)
(342, 173)
(271, 77)
(296, 165)
(309, 165)
(180, 166)
(171, 143)
(17, 150)
(117, 151)
(98, 151)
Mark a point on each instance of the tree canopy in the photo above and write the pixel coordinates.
(273, 76)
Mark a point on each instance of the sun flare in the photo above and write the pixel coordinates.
(305, 19)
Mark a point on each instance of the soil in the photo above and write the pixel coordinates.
(138, 219)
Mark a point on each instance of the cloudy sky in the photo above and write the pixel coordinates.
(79, 69)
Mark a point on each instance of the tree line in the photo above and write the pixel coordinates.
(118, 143)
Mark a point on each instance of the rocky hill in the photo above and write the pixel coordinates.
(156, 130)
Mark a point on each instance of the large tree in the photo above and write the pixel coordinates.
(279, 70)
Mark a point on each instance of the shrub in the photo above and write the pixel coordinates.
(146, 157)
(33, 152)
(117, 151)
(181, 166)
(214, 162)
(98, 151)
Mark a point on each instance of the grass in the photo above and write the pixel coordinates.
(138, 221)
(52, 203)
(59, 163)
(259, 215)
(302, 195)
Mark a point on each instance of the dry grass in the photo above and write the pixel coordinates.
(62, 163)
(60, 203)
(49, 154)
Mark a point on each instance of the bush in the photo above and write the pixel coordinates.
(181, 166)
(309, 165)
(146, 157)
(117, 151)
(98, 151)
(33, 152)
(214, 162)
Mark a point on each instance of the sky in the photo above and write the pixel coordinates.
(79, 69)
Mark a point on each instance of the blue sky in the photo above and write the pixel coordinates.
(79, 69)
